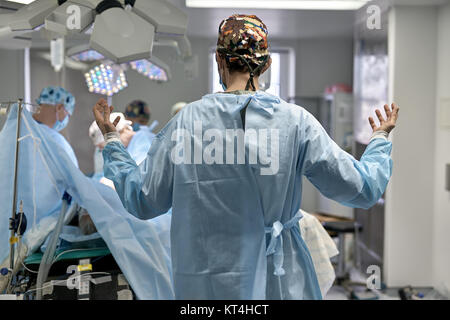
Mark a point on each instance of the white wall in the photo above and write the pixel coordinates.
(410, 195)
(441, 240)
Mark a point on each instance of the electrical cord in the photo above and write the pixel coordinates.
(65, 280)
(72, 250)
(29, 270)
(107, 4)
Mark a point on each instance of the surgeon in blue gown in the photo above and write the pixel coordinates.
(230, 165)
(40, 193)
(56, 106)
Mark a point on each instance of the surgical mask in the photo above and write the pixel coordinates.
(264, 80)
(224, 87)
(136, 126)
(59, 125)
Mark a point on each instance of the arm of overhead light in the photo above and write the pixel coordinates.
(68, 62)
(181, 44)
(186, 46)
(168, 43)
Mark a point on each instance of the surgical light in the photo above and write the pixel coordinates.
(150, 70)
(120, 30)
(88, 56)
(84, 53)
(280, 4)
(106, 79)
(121, 35)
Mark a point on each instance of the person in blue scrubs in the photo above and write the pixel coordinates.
(231, 165)
(37, 187)
(56, 106)
(138, 112)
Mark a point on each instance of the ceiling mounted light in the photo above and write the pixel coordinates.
(84, 53)
(280, 4)
(154, 69)
(121, 35)
(87, 56)
(106, 79)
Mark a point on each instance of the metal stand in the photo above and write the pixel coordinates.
(14, 203)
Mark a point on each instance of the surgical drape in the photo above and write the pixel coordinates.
(141, 248)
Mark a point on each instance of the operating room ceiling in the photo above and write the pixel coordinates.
(282, 24)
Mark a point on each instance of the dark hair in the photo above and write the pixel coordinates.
(239, 65)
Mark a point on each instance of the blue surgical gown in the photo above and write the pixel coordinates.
(140, 144)
(41, 194)
(234, 231)
(59, 139)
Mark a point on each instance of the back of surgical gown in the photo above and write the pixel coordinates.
(235, 231)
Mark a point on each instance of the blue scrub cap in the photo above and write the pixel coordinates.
(57, 95)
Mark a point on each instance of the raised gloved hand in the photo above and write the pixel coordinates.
(101, 113)
(388, 124)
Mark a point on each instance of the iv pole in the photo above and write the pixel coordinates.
(14, 204)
